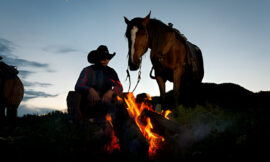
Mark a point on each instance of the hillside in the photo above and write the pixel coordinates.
(225, 95)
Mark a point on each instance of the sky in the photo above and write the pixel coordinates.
(49, 40)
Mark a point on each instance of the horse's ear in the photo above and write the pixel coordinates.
(146, 19)
(126, 20)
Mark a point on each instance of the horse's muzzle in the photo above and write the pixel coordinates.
(133, 66)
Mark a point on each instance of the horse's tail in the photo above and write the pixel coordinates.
(152, 76)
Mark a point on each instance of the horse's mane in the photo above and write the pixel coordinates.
(159, 27)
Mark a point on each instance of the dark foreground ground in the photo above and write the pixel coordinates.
(229, 126)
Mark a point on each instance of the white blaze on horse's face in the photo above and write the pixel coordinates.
(133, 32)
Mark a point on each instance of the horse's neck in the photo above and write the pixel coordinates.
(158, 41)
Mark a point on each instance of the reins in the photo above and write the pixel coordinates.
(152, 76)
(129, 78)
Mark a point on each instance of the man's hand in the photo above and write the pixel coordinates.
(93, 96)
(108, 96)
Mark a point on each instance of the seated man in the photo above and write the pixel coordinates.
(98, 83)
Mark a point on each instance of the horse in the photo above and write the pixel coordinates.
(173, 58)
(11, 95)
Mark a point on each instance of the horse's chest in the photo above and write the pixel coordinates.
(164, 62)
(162, 70)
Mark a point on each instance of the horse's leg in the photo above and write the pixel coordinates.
(2, 111)
(177, 76)
(12, 114)
(2, 114)
(161, 85)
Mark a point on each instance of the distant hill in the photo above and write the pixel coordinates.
(225, 95)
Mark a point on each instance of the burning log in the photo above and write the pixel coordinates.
(170, 131)
(133, 145)
(177, 137)
(161, 125)
(135, 107)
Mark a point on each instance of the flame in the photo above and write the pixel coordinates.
(148, 97)
(119, 98)
(114, 144)
(134, 111)
(166, 113)
(109, 119)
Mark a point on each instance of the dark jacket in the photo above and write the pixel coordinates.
(100, 78)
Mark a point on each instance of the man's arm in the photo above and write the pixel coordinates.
(117, 86)
(81, 85)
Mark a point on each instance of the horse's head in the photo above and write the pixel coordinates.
(138, 40)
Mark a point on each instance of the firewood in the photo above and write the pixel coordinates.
(161, 125)
(132, 142)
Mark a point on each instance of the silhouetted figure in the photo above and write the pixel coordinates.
(98, 83)
(11, 93)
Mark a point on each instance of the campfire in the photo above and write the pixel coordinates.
(135, 109)
(138, 110)
(114, 144)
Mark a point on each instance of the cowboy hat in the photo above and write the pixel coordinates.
(100, 53)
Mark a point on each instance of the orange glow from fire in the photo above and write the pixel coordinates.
(134, 111)
(114, 144)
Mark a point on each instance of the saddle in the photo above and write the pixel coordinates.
(192, 56)
(8, 71)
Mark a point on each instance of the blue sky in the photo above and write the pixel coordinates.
(49, 41)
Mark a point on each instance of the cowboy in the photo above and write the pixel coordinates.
(98, 83)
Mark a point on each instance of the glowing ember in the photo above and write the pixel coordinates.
(114, 144)
(134, 111)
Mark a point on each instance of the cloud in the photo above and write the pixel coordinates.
(5, 46)
(23, 63)
(34, 84)
(15, 61)
(24, 73)
(66, 50)
(30, 94)
(24, 110)
(60, 49)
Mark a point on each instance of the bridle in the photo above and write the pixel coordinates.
(129, 78)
